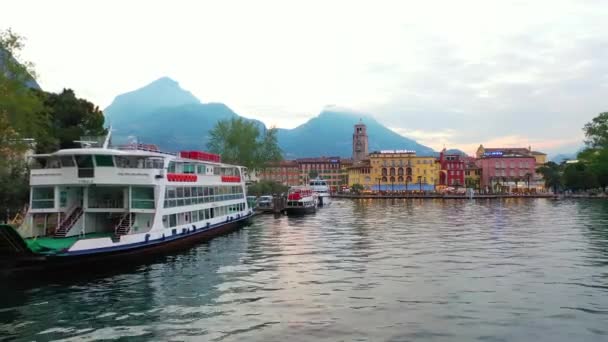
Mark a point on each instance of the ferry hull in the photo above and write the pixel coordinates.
(300, 210)
(33, 264)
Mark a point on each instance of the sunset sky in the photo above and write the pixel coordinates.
(453, 73)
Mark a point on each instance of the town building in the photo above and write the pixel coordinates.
(398, 170)
(533, 181)
(286, 172)
(360, 142)
(506, 170)
(345, 165)
(360, 173)
(452, 169)
(327, 168)
(472, 174)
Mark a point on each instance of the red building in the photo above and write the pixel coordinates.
(507, 169)
(452, 169)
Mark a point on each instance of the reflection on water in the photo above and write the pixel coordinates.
(395, 270)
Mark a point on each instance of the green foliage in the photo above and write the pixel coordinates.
(71, 118)
(593, 159)
(18, 102)
(14, 188)
(597, 161)
(579, 177)
(552, 174)
(596, 131)
(266, 187)
(472, 183)
(239, 141)
(357, 188)
(52, 120)
(313, 174)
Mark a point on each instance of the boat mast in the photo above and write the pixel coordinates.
(106, 142)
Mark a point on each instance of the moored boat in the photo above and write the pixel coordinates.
(96, 203)
(320, 186)
(265, 204)
(301, 200)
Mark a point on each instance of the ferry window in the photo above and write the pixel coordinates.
(188, 168)
(142, 197)
(172, 220)
(170, 192)
(104, 160)
(216, 171)
(186, 192)
(84, 161)
(201, 215)
(171, 167)
(165, 221)
(211, 213)
(200, 169)
(194, 215)
(43, 197)
(180, 192)
(67, 161)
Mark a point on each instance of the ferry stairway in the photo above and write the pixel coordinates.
(69, 222)
(125, 224)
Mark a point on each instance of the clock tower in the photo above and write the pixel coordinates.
(360, 147)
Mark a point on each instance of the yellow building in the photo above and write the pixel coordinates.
(360, 173)
(400, 170)
(541, 158)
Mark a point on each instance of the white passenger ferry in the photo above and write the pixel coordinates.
(320, 186)
(99, 202)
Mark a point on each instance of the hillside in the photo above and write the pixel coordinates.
(163, 113)
(330, 134)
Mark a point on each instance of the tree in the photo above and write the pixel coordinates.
(266, 187)
(22, 115)
(596, 131)
(240, 141)
(313, 174)
(357, 188)
(595, 156)
(597, 161)
(578, 176)
(18, 101)
(552, 174)
(71, 118)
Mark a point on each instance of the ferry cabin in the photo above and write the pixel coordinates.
(101, 192)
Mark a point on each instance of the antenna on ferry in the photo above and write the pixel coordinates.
(106, 142)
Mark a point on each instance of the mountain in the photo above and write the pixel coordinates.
(331, 132)
(30, 82)
(559, 158)
(162, 93)
(164, 114)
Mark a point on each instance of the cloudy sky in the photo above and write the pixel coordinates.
(453, 73)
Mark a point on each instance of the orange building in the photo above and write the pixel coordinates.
(285, 172)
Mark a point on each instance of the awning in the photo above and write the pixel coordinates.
(402, 187)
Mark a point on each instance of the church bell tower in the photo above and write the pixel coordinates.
(360, 147)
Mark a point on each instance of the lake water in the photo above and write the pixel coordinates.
(364, 270)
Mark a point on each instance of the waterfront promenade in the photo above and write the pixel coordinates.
(443, 196)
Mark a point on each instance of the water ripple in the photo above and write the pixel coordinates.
(390, 270)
